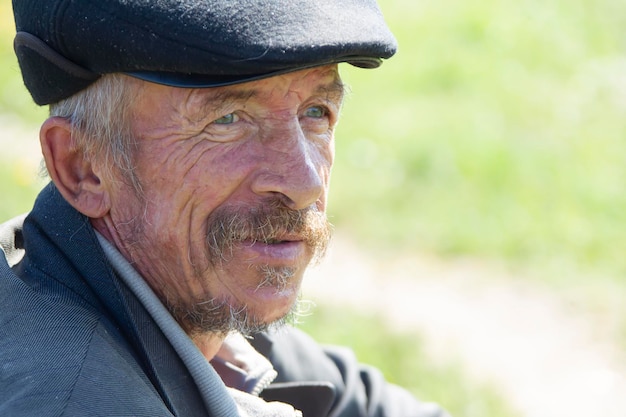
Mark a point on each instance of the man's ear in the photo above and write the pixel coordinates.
(71, 170)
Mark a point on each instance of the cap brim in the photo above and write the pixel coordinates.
(207, 81)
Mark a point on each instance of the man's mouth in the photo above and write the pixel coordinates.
(278, 239)
(274, 241)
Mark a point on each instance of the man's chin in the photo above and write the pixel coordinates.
(248, 321)
(222, 318)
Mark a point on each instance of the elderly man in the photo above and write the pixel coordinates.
(189, 146)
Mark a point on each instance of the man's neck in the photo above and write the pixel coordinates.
(208, 344)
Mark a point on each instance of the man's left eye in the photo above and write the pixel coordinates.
(226, 119)
(316, 112)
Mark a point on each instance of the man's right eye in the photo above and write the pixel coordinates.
(226, 119)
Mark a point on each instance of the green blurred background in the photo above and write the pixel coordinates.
(496, 133)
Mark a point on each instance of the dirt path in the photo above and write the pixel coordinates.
(548, 360)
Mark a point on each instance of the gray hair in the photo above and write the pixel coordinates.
(101, 128)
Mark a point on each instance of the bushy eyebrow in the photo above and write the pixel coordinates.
(334, 91)
(219, 99)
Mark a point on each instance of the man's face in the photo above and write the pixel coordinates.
(234, 183)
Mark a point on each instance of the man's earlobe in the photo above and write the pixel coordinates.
(71, 170)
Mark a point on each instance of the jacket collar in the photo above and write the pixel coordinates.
(61, 243)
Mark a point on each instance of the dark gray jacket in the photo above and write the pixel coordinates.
(74, 341)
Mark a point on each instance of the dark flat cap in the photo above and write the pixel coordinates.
(65, 45)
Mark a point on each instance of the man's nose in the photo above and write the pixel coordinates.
(294, 169)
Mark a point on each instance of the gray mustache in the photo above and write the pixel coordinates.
(267, 222)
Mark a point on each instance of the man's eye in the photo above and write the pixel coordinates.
(226, 119)
(316, 112)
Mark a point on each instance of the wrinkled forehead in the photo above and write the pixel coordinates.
(322, 82)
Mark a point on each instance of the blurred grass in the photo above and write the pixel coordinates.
(497, 131)
(20, 183)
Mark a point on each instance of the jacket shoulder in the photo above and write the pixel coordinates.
(60, 359)
(360, 390)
